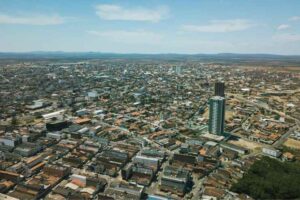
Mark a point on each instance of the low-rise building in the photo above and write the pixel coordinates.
(175, 180)
(124, 190)
(271, 152)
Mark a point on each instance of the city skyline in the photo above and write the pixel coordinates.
(188, 27)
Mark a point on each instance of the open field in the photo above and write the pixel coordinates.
(291, 143)
(246, 144)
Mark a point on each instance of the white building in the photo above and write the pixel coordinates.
(8, 141)
(271, 152)
(57, 114)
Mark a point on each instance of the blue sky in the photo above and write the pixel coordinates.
(151, 26)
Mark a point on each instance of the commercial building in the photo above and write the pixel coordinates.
(220, 89)
(28, 149)
(54, 115)
(175, 180)
(10, 176)
(83, 186)
(216, 115)
(147, 162)
(124, 190)
(9, 141)
(56, 170)
(57, 125)
(271, 152)
(235, 148)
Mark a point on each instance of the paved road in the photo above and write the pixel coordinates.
(284, 137)
(197, 189)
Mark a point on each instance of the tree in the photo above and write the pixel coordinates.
(270, 179)
(14, 121)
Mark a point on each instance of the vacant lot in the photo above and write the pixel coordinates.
(291, 143)
(246, 144)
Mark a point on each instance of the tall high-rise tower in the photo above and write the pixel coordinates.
(216, 115)
(220, 89)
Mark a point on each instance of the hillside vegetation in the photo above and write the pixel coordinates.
(270, 179)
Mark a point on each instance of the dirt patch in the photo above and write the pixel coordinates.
(291, 143)
(246, 144)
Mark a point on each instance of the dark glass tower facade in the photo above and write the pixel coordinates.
(220, 89)
(216, 115)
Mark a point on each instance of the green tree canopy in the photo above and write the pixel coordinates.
(270, 179)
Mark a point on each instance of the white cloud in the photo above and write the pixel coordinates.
(221, 26)
(289, 37)
(295, 18)
(31, 20)
(115, 12)
(124, 36)
(283, 26)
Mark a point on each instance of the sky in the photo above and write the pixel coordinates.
(151, 26)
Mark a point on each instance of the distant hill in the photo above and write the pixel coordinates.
(229, 58)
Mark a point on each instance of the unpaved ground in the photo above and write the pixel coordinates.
(246, 144)
(291, 143)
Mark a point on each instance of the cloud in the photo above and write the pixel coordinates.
(283, 27)
(289, 37)
(115, 12)
(124, 36)
(32, 20)
(295, 18)
(221, 26)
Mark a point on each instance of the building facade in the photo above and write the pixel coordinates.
(216, 115)
(220, 89)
